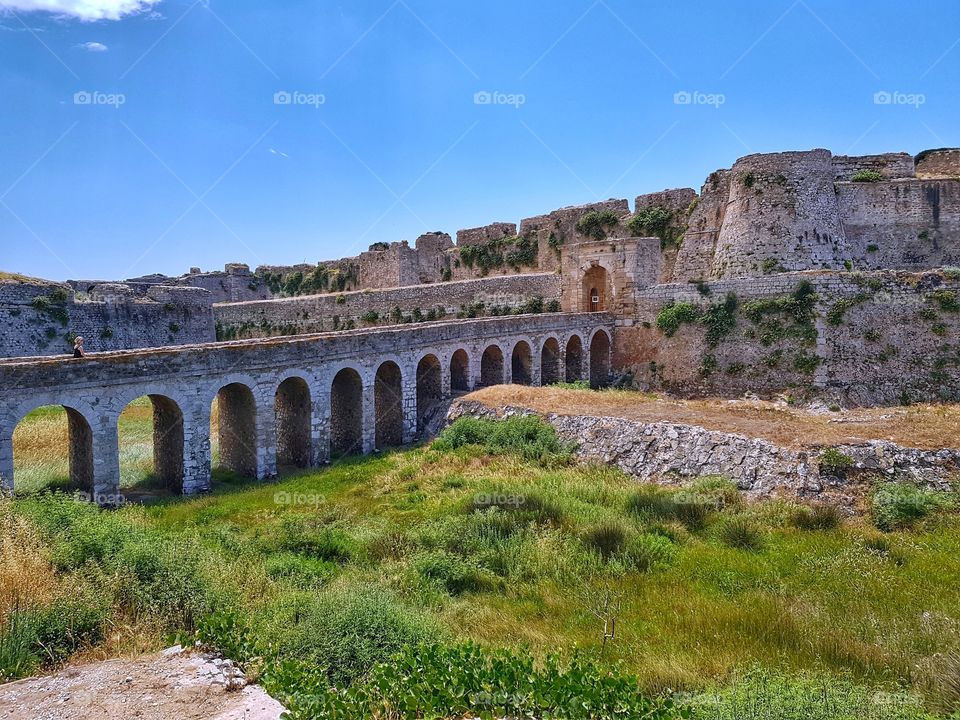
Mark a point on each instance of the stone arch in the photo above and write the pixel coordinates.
(429, 388)
(165, 464)
(550, 362)
(388, 405)
(346, 413)
(460, 371)
(491, 366)
(599, 359)
(596, 289)
(76, 441)
(292, 407)
(236, 421)
(521, 364)
(573, 363)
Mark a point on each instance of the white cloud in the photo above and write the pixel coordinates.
(86, 10)
(93, 47)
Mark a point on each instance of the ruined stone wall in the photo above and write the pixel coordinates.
(366, 308)
(696, 254)
(941, 163)
(43, 318)
(904, 224)
(871, 338)
(673, 454)
(889, 165)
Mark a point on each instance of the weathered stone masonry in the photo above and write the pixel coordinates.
(333, 401)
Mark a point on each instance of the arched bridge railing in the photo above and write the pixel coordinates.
(256, 405)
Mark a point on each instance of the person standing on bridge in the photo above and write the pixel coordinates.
(78, 347)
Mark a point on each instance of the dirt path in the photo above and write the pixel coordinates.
(165, 686)
(928, 427)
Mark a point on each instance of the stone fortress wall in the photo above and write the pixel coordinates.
(866, 233)
(42, 318)
(369, 308)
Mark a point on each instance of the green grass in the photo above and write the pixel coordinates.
(463, 541)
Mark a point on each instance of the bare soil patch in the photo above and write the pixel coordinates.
(928, 427)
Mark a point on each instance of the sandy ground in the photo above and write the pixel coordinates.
(164, 686)
(929, 427)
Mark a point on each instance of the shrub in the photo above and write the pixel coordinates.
(896, 506)
(594, 223)
(866, 176)
(348, 631)
(648, 551)
(834, 460)
(530, 437)
(740, 533)
(674, 315)
(817, 517)
(436, 681)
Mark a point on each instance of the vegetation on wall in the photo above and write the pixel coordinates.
(595, 223)
(870, 176)
(515, 251)
(321, 279)
(659, 222)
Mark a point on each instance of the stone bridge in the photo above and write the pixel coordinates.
(288, 402)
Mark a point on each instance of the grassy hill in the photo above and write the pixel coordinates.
(492, 536)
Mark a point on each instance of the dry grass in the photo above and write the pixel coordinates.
(921, 426)
(27, 576)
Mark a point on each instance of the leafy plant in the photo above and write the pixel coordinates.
(866, 176)
(594, 224)
(899, 505)
(674, 315)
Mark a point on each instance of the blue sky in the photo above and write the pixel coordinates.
(153, 138)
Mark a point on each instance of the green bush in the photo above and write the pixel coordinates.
(594, 224)
(348, 631)
(866, 176)
(647, 551)
(436, 681)
(529, 437)
(895, 506)
(674, 315)
(833, 460)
